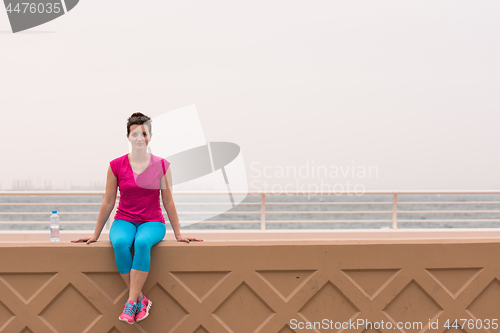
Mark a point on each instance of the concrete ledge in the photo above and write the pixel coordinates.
(225, 284)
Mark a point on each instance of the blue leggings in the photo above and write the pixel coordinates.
(143, 235)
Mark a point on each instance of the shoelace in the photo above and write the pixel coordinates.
(130, 309)
(139, 303)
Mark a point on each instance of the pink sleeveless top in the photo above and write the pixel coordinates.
(139, 193)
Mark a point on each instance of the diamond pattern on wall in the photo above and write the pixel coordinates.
(256, 287)
(166, 309)
(413, 304)
(69, 311)
(286, 283)
(329, 302)
(200, 284)
(26, 285)
(454, 330)
(114, 330)
(5, 315)
(26, 330)
(370, 281)
(480, 307)
(200, 329)
(454, 280)
(286, 329)
(110, 285)
(243, 311)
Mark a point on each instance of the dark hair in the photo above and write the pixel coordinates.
(138, 119)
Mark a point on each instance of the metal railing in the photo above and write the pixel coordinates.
(265, 210)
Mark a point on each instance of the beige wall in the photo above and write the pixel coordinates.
(251, 286)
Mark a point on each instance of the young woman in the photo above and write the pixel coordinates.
(141, 177)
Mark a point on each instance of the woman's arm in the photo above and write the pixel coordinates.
(108, 203)
(168, 203)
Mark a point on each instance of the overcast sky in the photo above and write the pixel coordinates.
(408, 87)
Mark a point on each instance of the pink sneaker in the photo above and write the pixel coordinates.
(143, 306)
(128, 314)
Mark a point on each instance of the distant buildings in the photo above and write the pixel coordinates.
(38, 184)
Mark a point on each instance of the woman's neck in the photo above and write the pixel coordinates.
(139, 156)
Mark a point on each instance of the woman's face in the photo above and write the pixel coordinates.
(139, 136)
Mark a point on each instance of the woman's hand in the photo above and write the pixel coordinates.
(181, 238)
(86, 239)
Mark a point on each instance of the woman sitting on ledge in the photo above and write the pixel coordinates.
(139, 219)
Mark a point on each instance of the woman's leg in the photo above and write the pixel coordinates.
(122, 235)
(126, 278)
(137, 280)
(148, 234)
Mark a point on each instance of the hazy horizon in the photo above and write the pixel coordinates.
(406, 87)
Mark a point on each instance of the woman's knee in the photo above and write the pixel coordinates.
(142, 245)
(121, 244)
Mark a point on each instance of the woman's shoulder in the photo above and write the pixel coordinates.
(118, 162)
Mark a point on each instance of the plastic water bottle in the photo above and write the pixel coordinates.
(54, 227)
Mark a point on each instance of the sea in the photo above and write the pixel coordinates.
(280, 214)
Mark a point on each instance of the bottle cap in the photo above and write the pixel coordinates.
(54, 212)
